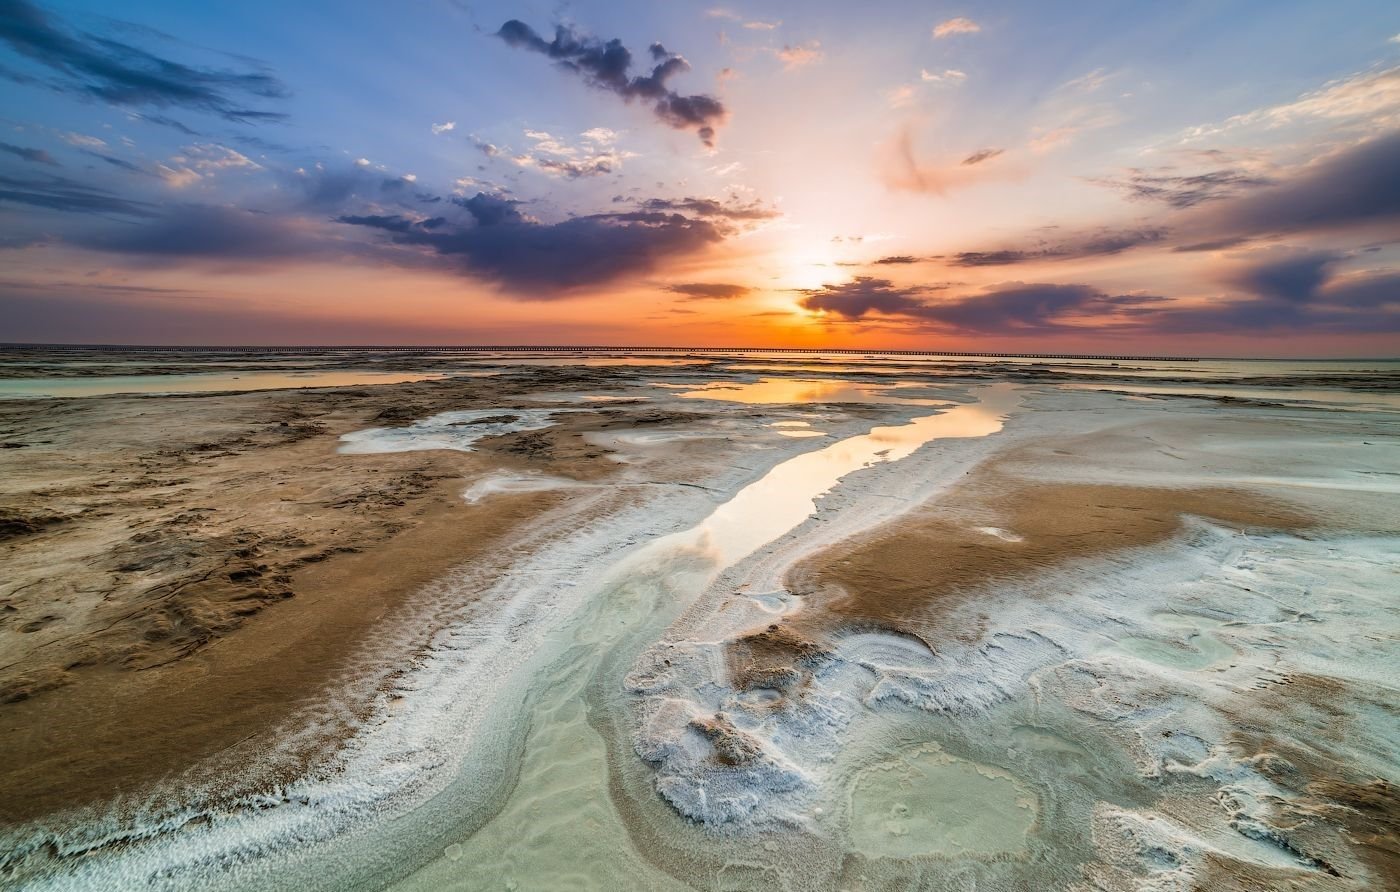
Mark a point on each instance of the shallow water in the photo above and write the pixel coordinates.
(924, 801)
(804, 390)
(559, 824)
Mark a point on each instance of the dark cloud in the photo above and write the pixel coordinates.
(119, 163)
(1009, 309)
(1092, 244)
(1182, 190)
(709, 290)
(208, 232)
(1354, 189)
(864, 295)
(1292, 276)
(606, 65)
(1357, 186)
(38, 156)
(1296, 290)
(981, 155)
(589, 167)
(543, 261)
(1280, 290)
(62, 194)
(392, 222)
(125, 75)
(330, 190)
(710, 207)
(898, 259)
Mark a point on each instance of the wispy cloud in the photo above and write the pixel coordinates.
(798, 55)
(1370, 97)
(709, 290)
(125, 75)
(37, 156)
(439, 129)
(959, 25)
(946, 76)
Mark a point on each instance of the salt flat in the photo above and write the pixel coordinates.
(985, 626)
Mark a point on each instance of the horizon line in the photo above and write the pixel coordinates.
(624, 348)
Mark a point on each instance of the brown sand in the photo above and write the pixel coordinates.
(906, 576)
(184, 575)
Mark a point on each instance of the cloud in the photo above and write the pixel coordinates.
(212, 157)
(1373, 96)
(1088, 83)
(959, 25)
(37, 156)
(605, 66)
(124, 75)
(1182, 190)
(981, 155)
(761, 26)
(1285, 275)
(1009, 309)
(800, 55)
(545, 261)
(1354, 189)
(120, 163)
(1356, 186)
(439, 129)
(902, 169)
(711, 208)
(83, 141)
(208, 232)
(898, 259)
(62, 194)
(899, 97)
(553, 156)
(862, 296)
(1098, 243)
(709, 290)
(948, 76)
(1294, 290)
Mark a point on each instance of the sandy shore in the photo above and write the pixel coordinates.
(186, 575)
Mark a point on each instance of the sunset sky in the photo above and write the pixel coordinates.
(1184, 178)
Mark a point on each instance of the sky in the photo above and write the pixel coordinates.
(1187, 178)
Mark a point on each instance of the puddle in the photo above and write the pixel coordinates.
(446, 430)
(787, 390)
(925, 802)
(39, 388)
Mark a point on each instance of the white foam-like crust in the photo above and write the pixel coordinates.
(509, 481)
(446, 430)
